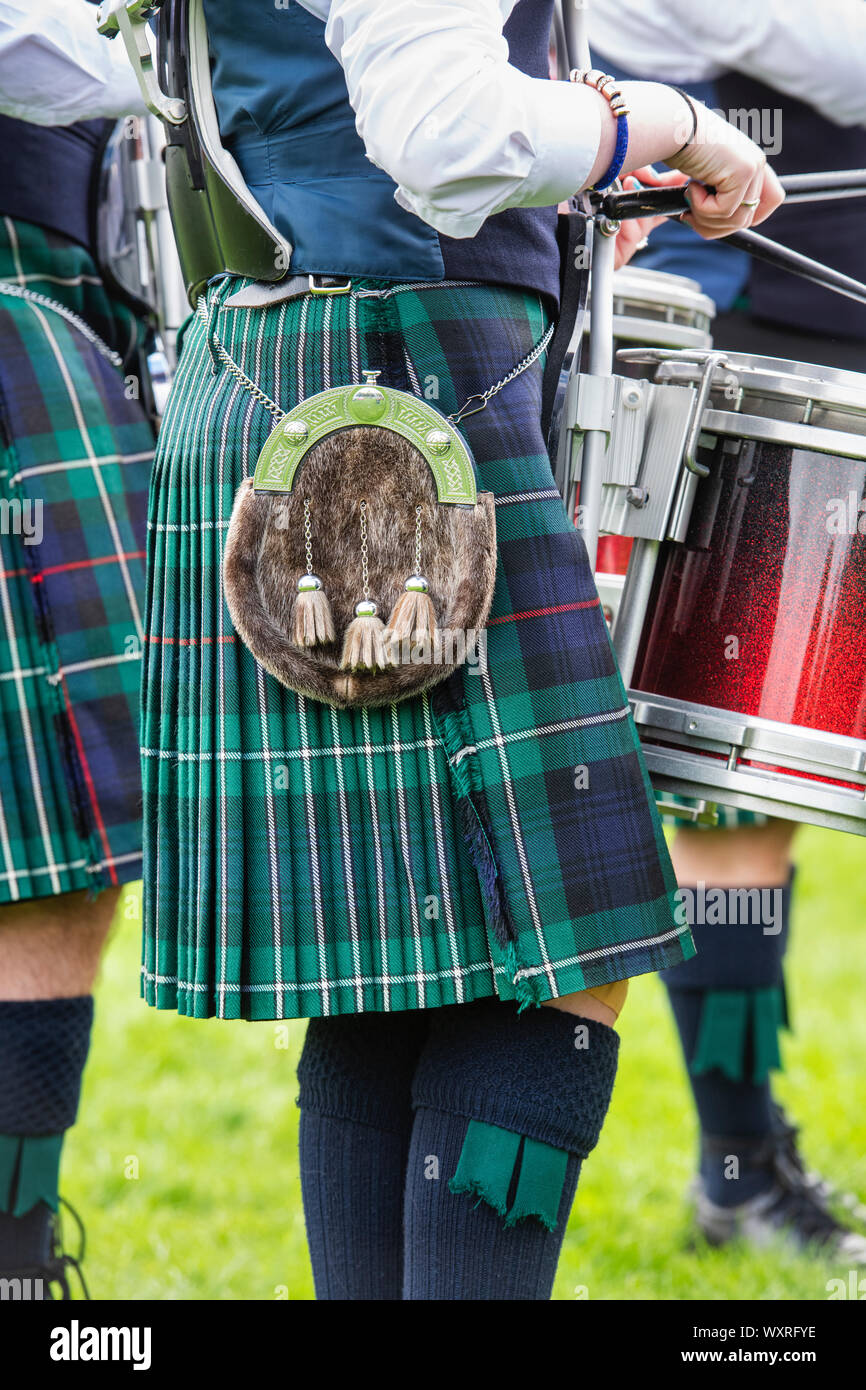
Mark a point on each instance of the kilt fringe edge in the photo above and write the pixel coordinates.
(497, 913)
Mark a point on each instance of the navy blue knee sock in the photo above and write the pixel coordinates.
(355, 1075)
(544, 1075)
(352, 1182)
(43, 1049)
(742, 957)
(461, 1249)
(382, 1219)
(738, 1109)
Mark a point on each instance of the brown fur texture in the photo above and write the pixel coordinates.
(313, 621)
(264, 559)
(414, 617)
(364, 647)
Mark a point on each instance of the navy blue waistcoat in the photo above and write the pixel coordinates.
(48, 175)
(285, 116)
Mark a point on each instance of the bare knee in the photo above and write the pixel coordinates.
(585, 1005)
(50, 947)
(754, 856)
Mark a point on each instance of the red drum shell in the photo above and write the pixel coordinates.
(762, 611)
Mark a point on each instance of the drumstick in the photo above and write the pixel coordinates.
(763, 249)
(802, 188)
(672, 202)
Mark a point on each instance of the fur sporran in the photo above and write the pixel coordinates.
(357, 584)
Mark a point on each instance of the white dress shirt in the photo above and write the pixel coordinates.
(55, 68)
(440, 108)
(811, 49)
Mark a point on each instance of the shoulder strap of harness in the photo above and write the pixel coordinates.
(217, 222)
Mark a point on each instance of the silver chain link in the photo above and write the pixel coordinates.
(231, 366)
(417, 540)
(278, 412)
(365, 569)
(20, 292)
(485, 396)
(308, 536)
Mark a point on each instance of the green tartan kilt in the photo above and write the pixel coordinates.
(75, 455)
(494, 836)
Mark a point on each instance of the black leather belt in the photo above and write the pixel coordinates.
(262, 294)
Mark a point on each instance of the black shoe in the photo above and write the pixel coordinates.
(787, 1133)
(793, 1206)
(37, 1281)
(60, 1261)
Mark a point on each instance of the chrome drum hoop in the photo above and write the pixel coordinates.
(641, 297)
(653, 307)
(774, 399)
(678, 739)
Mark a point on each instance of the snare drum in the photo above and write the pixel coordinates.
(750, 682)
(650, 308)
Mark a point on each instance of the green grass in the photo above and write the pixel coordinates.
(184, 1161)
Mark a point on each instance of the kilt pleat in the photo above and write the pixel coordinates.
(76, 450)
(302, 860)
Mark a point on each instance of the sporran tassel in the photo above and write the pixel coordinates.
(364, 645)
(312, 619)
(413, 617)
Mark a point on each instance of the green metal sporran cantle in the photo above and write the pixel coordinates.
(360, 559)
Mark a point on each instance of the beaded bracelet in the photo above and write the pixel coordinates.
(604, 83)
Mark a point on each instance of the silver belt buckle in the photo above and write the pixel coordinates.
(343, 288)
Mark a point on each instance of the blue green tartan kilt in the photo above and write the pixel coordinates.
(496, 835)
(75, 455)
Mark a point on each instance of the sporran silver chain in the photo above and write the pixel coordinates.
(278, 412)
(365, 567)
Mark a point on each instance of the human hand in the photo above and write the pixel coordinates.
(733, 186)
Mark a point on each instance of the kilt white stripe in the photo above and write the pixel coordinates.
(351, 894)
(26, 674)
(406, 746)
(377, 849)
(313, 847)
(357, 981)
(404, 851)
(270, 817)
(287, 754)
(32, 764)
(98, 461)
(600, 951)
(97, 476)
(546, 494)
